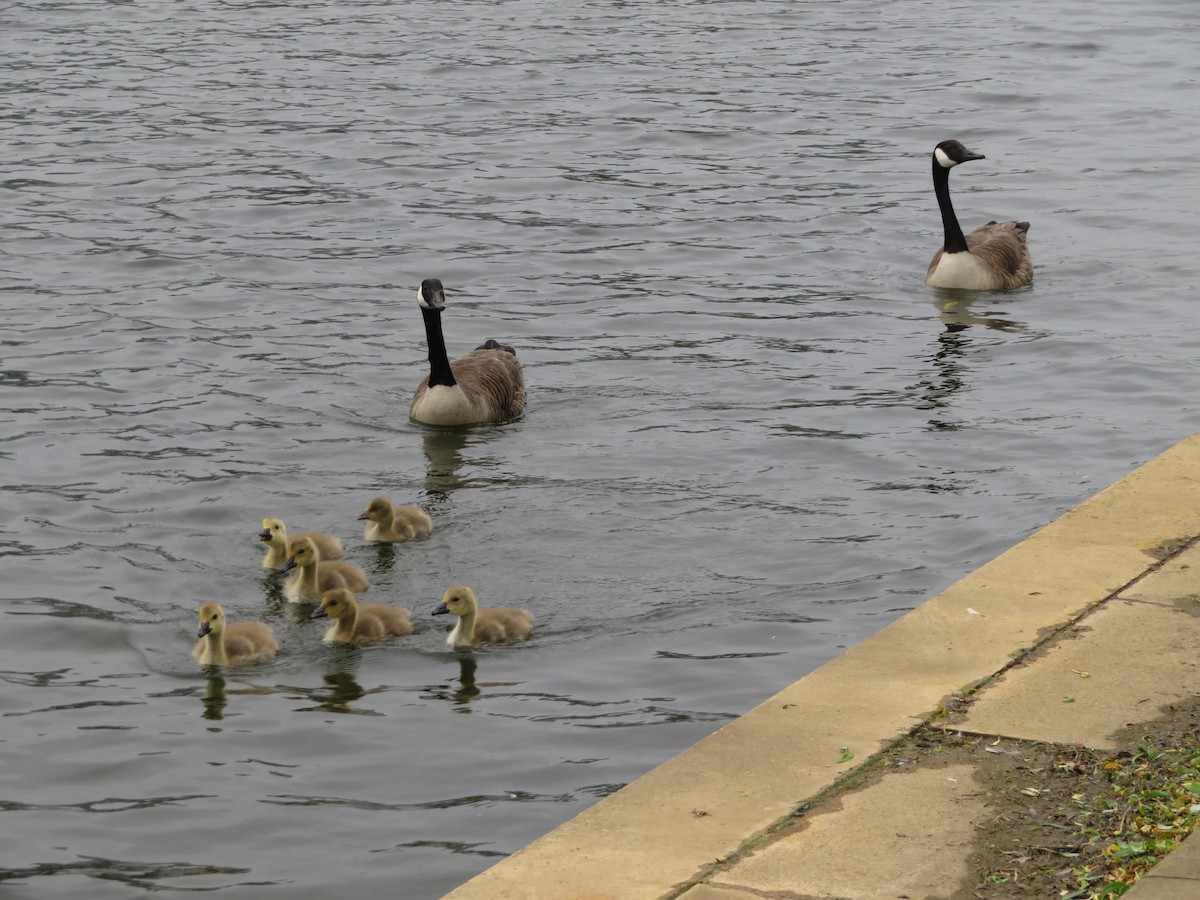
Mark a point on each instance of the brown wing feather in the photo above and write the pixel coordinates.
(1002, 246)
(495, 377)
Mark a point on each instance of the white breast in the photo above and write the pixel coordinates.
(962, 270)
(445, 405)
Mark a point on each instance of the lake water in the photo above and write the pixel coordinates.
(754, 437)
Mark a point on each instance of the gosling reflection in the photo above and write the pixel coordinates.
(214, 699)
(342, 689)
(467, 689)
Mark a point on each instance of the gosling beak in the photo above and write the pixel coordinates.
(441, 610)
(288, 564)
(318, 613)
(362, 516)
(265, 534)
(205, 628)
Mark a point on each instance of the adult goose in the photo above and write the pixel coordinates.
(993, 257)
(482, 386)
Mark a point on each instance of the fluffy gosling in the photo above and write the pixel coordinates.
(389, 522)
(275, 536)
(486, 625)
(316, 576)
(357, 623)
(231, 645)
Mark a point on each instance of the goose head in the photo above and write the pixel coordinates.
(459, 601)
(301, 552)
(378, 510)
(950, 153)
(212, 620)
(336, 604)
(430, 295)
(272, 528)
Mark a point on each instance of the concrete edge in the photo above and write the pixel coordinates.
(662, 832)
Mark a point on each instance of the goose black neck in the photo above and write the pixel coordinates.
(954, 241)
(439, 363)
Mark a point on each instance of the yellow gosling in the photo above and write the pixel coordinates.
(357, 623)
(481, 626)
(317, 576)
(275, 536)
(392, 523)
(231, 645)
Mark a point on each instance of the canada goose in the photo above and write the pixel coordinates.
(317, 576)
(275, 536)
(484, 385)
(481, 626)
(355, 622)
(993, 257)
(231, 645)
(390, 522)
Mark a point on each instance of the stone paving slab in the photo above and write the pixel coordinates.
(1121, 665)
(665, 830)
(1176, 584)
(1175, 878)
(712, 892)
(907, 835)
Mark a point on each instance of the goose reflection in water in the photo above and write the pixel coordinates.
(443, 453)
(950, 371)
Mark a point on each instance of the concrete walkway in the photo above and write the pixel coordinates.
(1108, 596)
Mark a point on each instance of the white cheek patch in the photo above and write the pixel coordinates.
(421, 298)
(943, 160)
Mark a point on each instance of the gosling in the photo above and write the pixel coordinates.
(275, 536)
(316, 576)
(231, 645)
(357, 623)
(481, 626)
(388, 522)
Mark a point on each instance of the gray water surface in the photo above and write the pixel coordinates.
(754, 437)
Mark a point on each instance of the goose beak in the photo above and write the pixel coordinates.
(288, 564)
(441, 610)
(265, 534)
(971, 154)
(204, 629)
(361, 516)
(318, 613)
